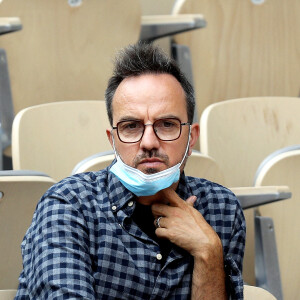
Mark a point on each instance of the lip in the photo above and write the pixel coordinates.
(151, 162)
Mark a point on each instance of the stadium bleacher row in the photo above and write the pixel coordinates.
(243, 60)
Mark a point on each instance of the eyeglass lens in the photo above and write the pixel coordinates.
(165, 129)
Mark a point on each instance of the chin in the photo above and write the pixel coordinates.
(151, 171)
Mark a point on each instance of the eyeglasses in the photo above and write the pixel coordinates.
(132, 131)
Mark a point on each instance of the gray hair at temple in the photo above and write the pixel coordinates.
(141, 58)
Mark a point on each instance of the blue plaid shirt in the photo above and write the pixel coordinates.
(83, 244)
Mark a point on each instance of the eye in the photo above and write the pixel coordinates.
(167, 123)
(130, 125)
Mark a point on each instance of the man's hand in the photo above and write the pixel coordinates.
(184, 226)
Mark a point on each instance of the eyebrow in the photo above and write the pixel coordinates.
(170, 116)
(128, 118)
(131, 118)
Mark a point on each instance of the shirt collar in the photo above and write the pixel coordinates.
(183, 190)
(119, 196)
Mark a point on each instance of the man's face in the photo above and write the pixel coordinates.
(147, 98)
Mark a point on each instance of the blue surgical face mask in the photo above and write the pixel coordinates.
(142, 184)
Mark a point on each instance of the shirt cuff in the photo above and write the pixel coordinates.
(234, 280)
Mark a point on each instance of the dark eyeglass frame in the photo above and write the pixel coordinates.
(181, 124)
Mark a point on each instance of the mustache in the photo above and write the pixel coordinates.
(150, 154)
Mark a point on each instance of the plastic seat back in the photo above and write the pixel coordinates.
(53, 137)
(19, 195)
(240, 133)
(256, 293)
(248, 49)
(7, 294)
(203, 166)
(65, 49)
(283, 167)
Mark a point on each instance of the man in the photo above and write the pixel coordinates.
(139, 229)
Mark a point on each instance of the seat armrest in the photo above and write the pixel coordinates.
(250, 197)
(8, 25)
(158, 26)
(14, 173)
(90, 160)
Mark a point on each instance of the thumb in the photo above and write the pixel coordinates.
(191, 200)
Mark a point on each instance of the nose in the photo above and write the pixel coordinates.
(149, 140)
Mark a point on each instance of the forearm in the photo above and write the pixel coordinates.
(208, 280)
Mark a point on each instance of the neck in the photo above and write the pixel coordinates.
(149, 200)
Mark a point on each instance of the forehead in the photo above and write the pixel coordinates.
(149, 97)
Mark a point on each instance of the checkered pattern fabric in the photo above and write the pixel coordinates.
(83, 244)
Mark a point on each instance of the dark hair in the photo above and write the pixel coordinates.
(141, 58)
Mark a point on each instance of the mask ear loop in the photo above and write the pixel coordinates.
(113, 140)
(187, 147)
(114, 146)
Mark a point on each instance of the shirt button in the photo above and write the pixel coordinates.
(114, 208)
(158, 256)
(130, 203)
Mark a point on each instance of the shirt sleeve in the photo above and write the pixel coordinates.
(55, 250)
(233, 260)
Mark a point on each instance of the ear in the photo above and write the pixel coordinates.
(109, 136)
(195, 131)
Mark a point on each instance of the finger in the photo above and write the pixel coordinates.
(171, 196)
(191, 200)
(162, 233)
(158, 222)
(159, 209)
